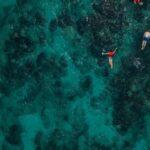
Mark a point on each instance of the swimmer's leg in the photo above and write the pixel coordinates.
(141, 3)
(143, 44)
(110, 62)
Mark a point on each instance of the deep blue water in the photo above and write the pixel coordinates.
(57, 92)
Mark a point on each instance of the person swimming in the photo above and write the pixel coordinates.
(110, 55)
(138, 2)
(146, 37)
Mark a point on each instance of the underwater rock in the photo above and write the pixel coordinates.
(51, 146)
(127, 144)
(131, 66)
(39, 19)
(86, 84)
(63, 61)
(4, 89)
(57, 84)
(42, 60)
(53, 25)
(39, 140)
(22, 2)
(105, 72)
(38, 148)
(25, 21)
(19, 45)
(32, 93)
(23, 44)
(98, 146)
(64, 21)
(81, 26)
(18, 72)
(56, 141)
(71, 95)
(78, 123)
(94, 50)
(138, 16)
(14, 135)
(47, 63)
(42, 37)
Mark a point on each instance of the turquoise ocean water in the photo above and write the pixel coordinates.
(56, 90)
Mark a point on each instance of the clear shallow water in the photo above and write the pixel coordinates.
(57, 91)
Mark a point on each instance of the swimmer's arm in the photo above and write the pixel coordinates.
(115, 50)
(104, 53)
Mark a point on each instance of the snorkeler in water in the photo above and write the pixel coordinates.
(139, 2)
(146, 37)
(110, 55)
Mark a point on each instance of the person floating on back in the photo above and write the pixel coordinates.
(146, 37)
(139, 2)
(110, 55)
